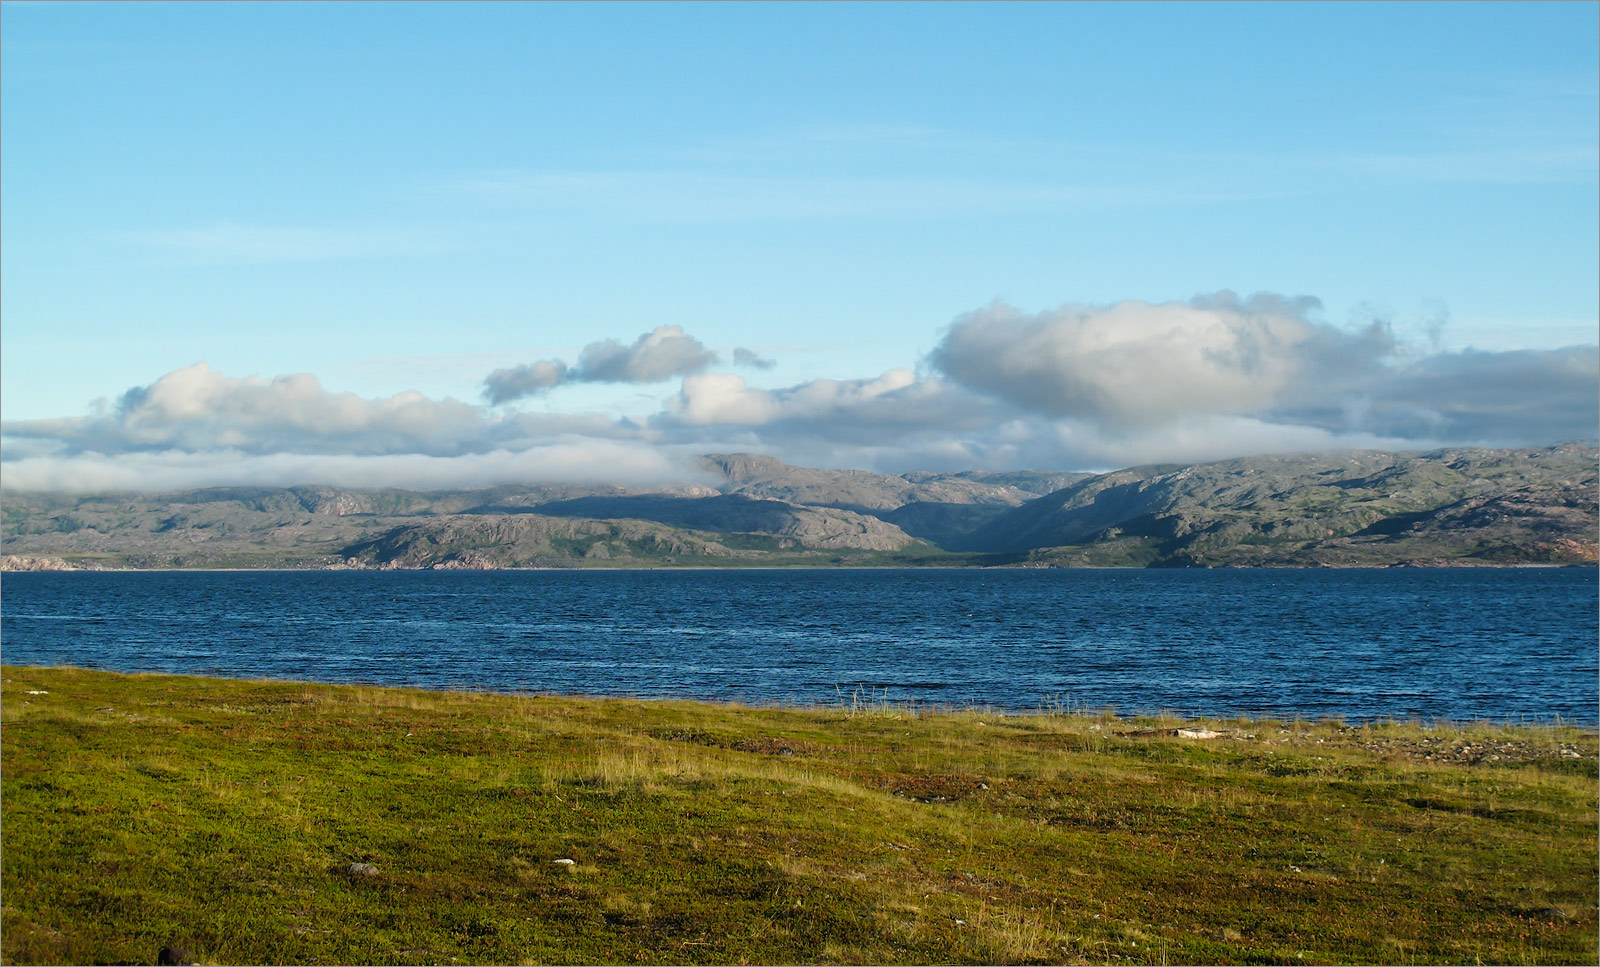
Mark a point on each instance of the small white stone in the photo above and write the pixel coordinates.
(566, 862)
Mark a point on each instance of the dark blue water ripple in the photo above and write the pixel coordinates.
(1460, 644)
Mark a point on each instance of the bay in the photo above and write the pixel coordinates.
(1502, 644)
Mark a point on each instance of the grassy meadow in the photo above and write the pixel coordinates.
(266, 822)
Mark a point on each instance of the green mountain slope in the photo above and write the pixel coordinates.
(1351, 507)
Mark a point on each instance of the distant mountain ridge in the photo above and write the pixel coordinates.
(941, 508)
(1459, 505)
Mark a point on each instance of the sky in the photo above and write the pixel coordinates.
(429, 245)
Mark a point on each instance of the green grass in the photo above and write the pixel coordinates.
(221, 815)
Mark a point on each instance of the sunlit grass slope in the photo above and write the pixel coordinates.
(224, 817)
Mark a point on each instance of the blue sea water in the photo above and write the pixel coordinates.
(1502, 644)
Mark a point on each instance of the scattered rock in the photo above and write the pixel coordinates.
(171, 954)
(37, 691)
(934, 788)
(361, 869)
(24, 562)
(1432, 749)
(566, 862)
(1188, 732)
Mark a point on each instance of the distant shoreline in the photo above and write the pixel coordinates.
(1445, 564)
(902, 705)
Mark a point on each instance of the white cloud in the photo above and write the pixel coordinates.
(1138, 364)
(895, 402)
(722, 398)
(198, 408)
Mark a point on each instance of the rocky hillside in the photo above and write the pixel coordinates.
(941, 508)
(861, 490)
(498, 527)
(534, 540)
(809, 527)
(1468, 506)
(1350, 507)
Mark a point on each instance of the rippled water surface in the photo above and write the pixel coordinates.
(1459, 644)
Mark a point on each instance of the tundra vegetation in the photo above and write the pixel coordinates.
(256, 822)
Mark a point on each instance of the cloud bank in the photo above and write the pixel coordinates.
(1079, 387)
(196, 409)
(576, 461)
(1137, 366)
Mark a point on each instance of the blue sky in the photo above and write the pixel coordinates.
(940, 235)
